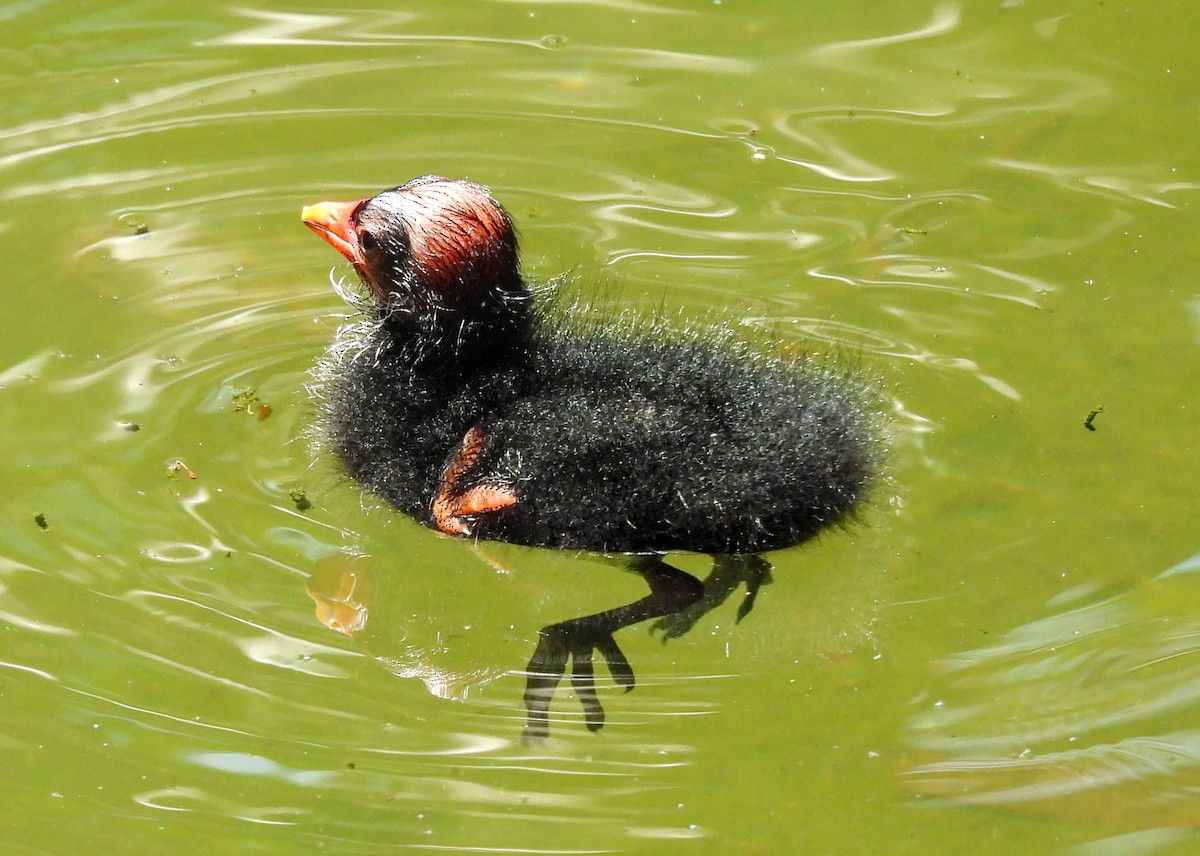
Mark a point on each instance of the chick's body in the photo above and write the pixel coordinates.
(467, 408)
(612, 442)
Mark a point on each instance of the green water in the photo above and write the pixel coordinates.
(991, 206)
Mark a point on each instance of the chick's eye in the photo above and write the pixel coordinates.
(367, 241)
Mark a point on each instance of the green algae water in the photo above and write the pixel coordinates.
(210, 642)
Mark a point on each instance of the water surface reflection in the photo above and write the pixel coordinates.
(1079, 714)
(343, 589)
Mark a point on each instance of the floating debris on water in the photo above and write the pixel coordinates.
(247, 401)
(300, 498)
(174, 469)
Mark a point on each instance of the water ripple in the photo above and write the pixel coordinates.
(1074, 714)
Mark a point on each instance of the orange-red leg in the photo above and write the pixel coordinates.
(452, 506)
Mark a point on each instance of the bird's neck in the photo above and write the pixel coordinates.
(438, 339)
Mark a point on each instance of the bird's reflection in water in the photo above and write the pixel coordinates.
(676, 599)
(342, 590)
